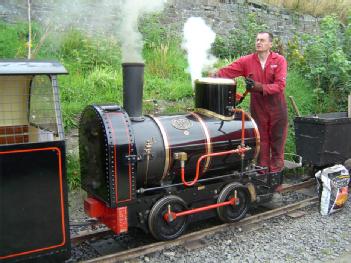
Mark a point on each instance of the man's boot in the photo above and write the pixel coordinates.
(274, 180)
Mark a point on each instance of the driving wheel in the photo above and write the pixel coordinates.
(237, 211)
(163, 229)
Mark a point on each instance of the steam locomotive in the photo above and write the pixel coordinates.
(158, 173)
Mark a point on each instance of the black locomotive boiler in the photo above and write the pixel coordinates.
(158, 173)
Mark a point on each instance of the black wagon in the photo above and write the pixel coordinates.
(33, 188)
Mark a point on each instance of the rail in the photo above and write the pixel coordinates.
(159, 246)
(194, 236)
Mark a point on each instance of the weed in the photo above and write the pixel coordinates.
(300, 89)
(13, 40)
(241, 41)
(87, 53)
(323, 60)
(96, 76)
(73, 169)
(315, 7)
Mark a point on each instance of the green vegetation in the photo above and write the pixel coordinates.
(300, 90)
(325, 60)
(315, 7)
(73, 171)
(319, 69)
(13, 40)
(240, 40)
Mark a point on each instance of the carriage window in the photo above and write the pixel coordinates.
(43, 116)
(14, 109)
(29, 109)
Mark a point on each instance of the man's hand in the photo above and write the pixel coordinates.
(253, 86)
(212, 74)
(250, 83)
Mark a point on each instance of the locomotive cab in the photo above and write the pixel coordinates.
(33, 190)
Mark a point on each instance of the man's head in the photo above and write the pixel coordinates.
(264, 41)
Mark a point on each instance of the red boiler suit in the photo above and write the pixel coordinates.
(268, 108)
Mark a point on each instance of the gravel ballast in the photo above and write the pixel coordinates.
(310, 238)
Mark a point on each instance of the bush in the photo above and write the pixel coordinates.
(300, 89)
(101, 85)
(87, 53)
(162, 52)
(317, 8)
(323, 61)
(153, 32)
(166, 60)
(73, 168)
(347, 39)
(241, 41)
(13, 40)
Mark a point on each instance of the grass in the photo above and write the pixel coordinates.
(301, 91)
(13, 40)
(315, 7)
(73, 171)
(96, 76)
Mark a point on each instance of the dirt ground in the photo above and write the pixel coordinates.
(75, 205)
(75, 197)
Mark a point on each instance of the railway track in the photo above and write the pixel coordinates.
(197, 235)
(159, 246)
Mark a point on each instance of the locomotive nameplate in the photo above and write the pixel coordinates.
(181, 123)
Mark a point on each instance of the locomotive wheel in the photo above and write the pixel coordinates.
(233, 213)
(162, 229)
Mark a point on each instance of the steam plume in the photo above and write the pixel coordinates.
(130, 37)
(117, 18)
(197, 41)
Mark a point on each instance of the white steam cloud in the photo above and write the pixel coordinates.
(117, 18)
(197, 41)
(129, 35)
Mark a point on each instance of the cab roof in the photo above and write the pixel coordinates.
(31, 67)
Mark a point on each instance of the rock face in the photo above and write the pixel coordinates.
(221, 15)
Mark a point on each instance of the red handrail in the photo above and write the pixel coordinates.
(240, 150)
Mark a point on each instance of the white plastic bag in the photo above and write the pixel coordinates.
(333, 184)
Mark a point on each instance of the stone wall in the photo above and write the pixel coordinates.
(224, 15)
(221, 15)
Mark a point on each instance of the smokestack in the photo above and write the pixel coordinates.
(133, 82)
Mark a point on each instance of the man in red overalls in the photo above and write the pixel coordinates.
(265, 73)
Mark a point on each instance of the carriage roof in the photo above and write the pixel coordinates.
(30, 67)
